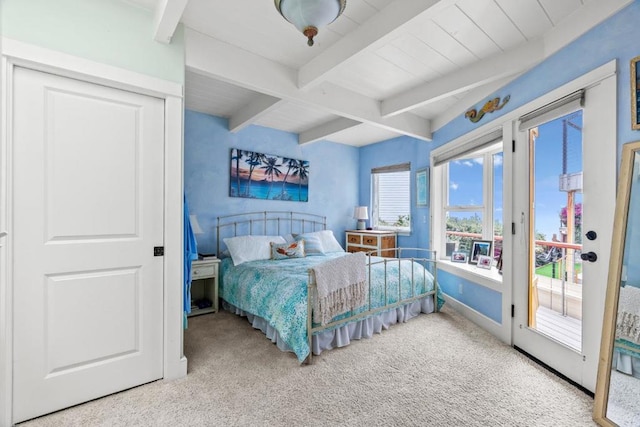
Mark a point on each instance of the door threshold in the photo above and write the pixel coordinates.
(555, 372)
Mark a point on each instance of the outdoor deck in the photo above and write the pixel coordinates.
(564, 329)
(550, 296)
(550, 320)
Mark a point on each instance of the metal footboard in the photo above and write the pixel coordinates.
(425, 257)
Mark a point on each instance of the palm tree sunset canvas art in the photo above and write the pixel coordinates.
(265, 176)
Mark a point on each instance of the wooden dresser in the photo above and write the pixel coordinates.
(371, 240)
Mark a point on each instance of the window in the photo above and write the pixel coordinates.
(469, 197)
(391, 198)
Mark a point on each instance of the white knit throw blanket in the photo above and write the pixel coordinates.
(341, 285)
(628, 322)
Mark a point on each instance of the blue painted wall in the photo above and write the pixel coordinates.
(484, 300)
(333, 174)
(395, 151)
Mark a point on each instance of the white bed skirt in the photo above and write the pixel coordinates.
(626, 364)
(342, 335)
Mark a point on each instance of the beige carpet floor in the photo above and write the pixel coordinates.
(435, 370)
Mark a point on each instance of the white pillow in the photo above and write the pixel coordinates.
(327, 240)
(250, 248)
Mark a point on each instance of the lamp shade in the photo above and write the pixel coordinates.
(194, 224)
(360, 212)
(309, 15)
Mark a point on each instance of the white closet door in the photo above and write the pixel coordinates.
(87, 170)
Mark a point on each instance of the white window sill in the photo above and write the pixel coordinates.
(489, 278)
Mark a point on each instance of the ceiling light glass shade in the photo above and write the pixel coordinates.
(309, 15)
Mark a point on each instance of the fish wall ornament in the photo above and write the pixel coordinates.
(489, 107)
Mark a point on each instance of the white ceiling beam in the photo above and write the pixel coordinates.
(325, 130)
(479, 74)
(253, 111)
(220, 60)
(167, 17)
(374, 33)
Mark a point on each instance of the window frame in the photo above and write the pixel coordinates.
(375, 172)
(441, 193)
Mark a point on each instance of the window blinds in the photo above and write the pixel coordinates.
(391, 193)
(402, 167)
(558, 108)
(470, 146)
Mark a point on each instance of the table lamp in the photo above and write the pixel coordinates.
(195, 226)
(360, 213)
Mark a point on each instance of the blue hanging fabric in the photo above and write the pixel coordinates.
(190, 254)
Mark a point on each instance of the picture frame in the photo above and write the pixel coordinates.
(256, 176)
(422, 187)
(484, 261)
(635, 93)
(459, 256)
(478, 248)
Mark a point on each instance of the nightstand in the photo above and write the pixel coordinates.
(204, 285)
(371, 240)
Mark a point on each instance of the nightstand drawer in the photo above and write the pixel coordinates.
(203, 271)
(354, 238)
(370, 240)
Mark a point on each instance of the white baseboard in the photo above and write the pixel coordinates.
(500, 331)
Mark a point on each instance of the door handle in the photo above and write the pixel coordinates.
(3, 233)
(589, 256)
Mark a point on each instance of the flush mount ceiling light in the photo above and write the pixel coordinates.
(309, 15)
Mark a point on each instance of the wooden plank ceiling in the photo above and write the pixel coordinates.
(383, 69)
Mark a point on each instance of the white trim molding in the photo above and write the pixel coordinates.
(14, 54)
(494, 328)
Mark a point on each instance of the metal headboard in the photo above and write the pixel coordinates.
(276, 223)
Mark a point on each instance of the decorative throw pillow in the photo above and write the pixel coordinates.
(328, 242)
(287, 250)
(250, 248)
(312, 244)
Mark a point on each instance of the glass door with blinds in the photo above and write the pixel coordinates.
(563, 197)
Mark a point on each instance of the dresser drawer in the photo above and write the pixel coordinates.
(370, 240)
(354, 238)
(203, 271)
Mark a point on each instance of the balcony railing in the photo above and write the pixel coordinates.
(555, 275)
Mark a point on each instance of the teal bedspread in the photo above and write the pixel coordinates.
(276, 290)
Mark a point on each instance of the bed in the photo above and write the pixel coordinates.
(274, 294)
(626, 347)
